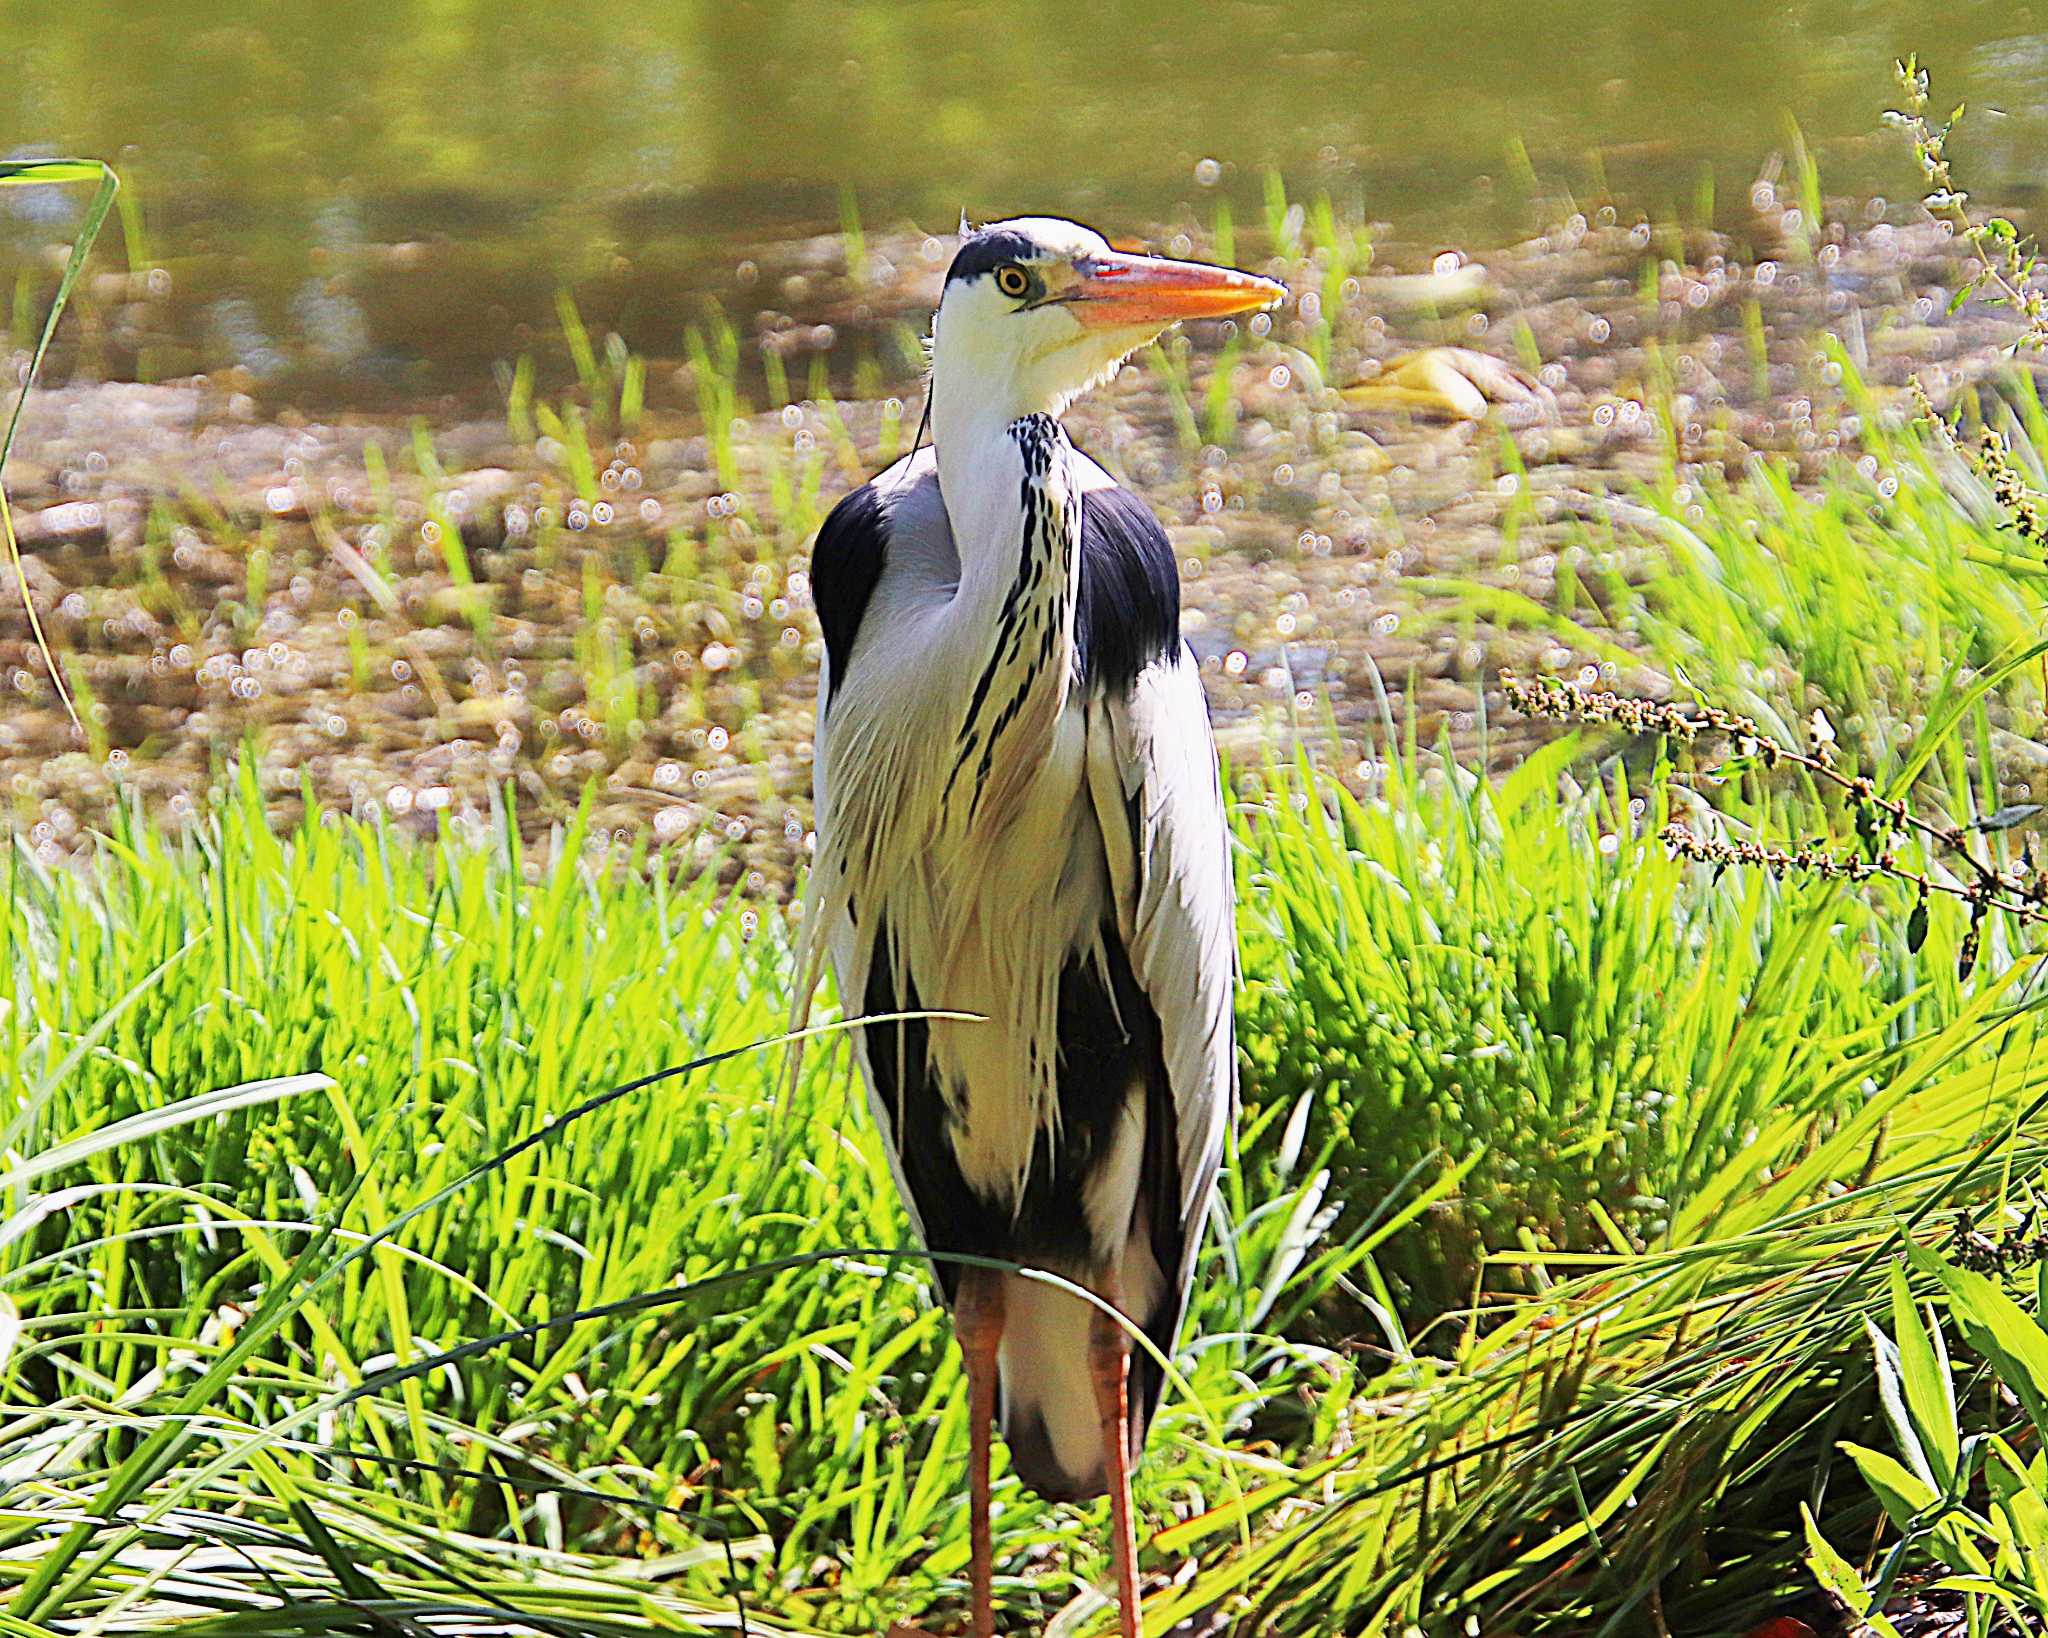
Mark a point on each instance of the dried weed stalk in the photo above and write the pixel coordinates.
(2004, 269)
(1881, 820)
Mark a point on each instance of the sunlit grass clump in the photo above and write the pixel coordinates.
(1533, 986)
(412, 1319)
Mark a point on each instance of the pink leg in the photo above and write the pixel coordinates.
(1109, 1361)
(978, 1322)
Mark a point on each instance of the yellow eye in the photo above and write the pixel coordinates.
(1011, 280)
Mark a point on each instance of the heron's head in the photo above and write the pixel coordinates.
(1038, 310)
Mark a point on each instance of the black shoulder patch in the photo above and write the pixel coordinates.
(1129, 612)
(846, 562)
(981, 253)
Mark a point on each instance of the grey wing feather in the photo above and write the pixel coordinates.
(1154, 784)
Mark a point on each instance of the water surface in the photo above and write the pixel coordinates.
(371, 203)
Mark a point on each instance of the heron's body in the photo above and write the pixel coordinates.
(1019, 820)
(1051, 1134)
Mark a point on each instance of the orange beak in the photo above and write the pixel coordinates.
(1123, 292)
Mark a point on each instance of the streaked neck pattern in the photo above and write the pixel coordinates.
(1022, 684)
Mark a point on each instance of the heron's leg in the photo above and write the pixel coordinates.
(978, 1322)
(1109, 1363)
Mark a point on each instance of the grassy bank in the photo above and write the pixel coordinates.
(435, 1006)
(1568, 1172)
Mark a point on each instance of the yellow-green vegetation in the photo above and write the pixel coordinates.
(431, 1326)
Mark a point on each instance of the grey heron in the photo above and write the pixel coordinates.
(1019, 818)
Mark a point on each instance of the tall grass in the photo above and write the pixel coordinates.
(1628, 1453)
(799, 1408)
(653, 1363)
(49, 173)
(1529, 984)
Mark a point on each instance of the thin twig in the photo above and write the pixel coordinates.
(1879, 819)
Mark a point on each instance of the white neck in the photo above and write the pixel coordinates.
(979, 474)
